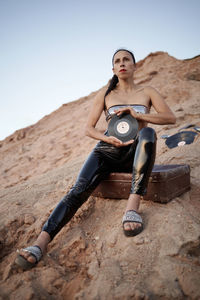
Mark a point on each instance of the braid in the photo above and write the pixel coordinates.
(113, 82)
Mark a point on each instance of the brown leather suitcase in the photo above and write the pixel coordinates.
(165, 183)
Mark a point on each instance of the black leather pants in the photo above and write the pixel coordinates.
(137, 158)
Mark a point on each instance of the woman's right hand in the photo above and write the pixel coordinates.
(116, 142)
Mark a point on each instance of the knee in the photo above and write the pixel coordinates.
(79, 188)
(147, 134)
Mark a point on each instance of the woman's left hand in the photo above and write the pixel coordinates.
(128, 110)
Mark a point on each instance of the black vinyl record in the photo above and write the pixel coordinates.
(123, 127)
(180, 139)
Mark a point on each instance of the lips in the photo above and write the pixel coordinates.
(122, 70)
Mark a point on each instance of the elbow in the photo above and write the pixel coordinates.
(87, 131)
(173, 119)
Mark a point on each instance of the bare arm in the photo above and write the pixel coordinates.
(94, 115)
(164, 114)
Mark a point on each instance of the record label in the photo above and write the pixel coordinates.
(182, 143)
(123, 127)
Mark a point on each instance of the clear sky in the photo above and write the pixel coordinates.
(53, 52)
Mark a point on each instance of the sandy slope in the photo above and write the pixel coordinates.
(91, 258)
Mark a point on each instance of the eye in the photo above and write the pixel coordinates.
(117, 61)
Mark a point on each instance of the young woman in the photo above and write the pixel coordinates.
(111, 154)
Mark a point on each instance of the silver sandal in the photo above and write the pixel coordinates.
(21, 261)
(132, 216)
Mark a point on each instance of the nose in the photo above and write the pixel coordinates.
(122, 64)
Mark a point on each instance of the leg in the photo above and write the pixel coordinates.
(90, 175)
(26, 259)
(142, 167)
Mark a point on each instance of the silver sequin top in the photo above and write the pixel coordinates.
(140, 109)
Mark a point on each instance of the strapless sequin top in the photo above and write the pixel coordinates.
(140, 109)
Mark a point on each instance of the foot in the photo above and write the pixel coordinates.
(30, 256)
(23, 260)
(132, 217)
(132, 204)
(131, 226)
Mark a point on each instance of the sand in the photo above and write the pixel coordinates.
(91, 258)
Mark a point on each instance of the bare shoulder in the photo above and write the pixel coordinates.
(157, 100)
(139, 88)
(99, 97)
(149, 90)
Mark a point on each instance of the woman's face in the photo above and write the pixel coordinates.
(123, 65)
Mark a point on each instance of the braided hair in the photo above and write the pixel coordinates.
(114, 80)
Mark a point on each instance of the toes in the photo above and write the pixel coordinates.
(23, 253)
(127, 226)
(27, 255)
(131, 225)
(31, 259)
(135, 225)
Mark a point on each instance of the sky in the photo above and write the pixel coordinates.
(56, 51)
